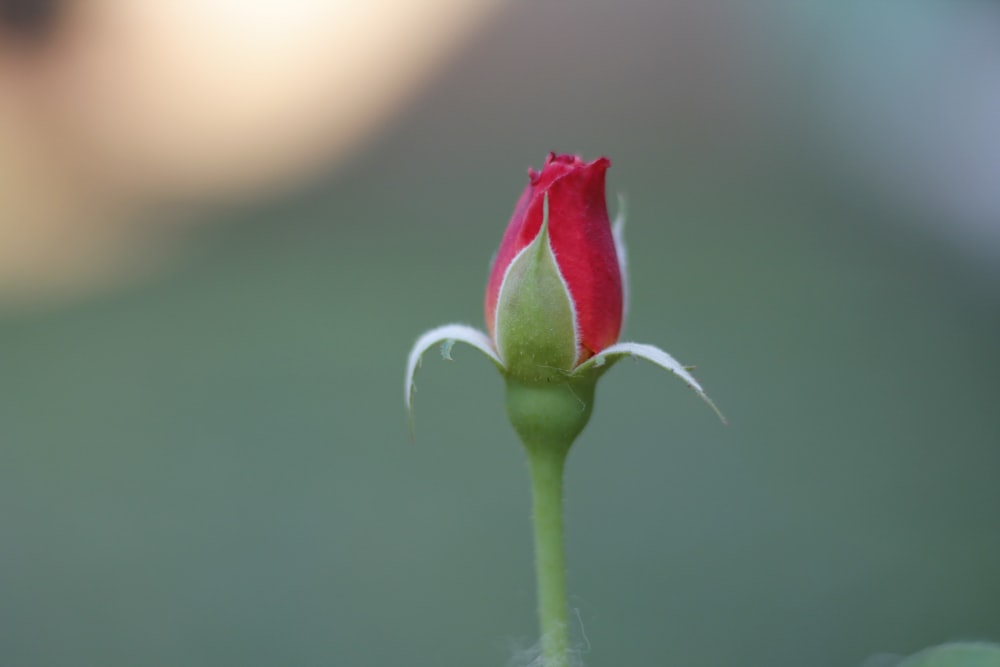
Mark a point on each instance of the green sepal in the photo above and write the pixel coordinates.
(535, 327)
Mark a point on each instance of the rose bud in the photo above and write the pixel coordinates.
(555, 300)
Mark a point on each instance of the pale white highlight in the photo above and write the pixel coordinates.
(656, 356)
(618, 234)
(531, 656)
(448, 334)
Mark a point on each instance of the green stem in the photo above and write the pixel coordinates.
(548, 417)
(546, 465)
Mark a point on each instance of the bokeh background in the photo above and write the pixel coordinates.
(204, 457)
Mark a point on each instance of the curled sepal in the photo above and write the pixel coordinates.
(447, 335)
(651, 354)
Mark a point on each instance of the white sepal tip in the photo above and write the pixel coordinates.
(448, 335)
(656, 356)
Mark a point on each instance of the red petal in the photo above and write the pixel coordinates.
(585, 253)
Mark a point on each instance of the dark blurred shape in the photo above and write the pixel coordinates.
(29, 19)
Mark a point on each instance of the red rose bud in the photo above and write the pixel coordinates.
(554, 305)
(554, 297)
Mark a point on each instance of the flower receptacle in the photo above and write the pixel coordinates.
(550, 415)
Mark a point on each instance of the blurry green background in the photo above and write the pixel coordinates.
(212, 467)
